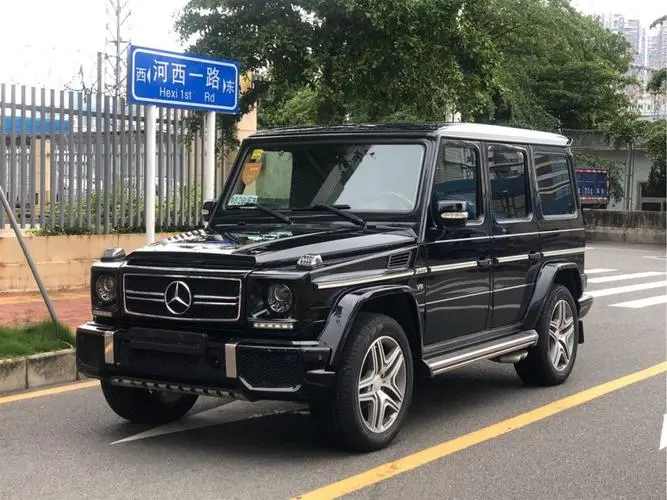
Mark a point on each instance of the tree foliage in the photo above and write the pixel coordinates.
(533, 63)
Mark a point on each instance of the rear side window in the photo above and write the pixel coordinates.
(508, 174)
(554, 184)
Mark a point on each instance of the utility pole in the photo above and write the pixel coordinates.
(116, 43)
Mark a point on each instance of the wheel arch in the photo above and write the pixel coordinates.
(562, 273)
(395, 301)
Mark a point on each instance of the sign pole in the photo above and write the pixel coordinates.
(209, 166)
(149, 180)
(26, 253)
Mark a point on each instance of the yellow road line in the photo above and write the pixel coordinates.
(48, 392)
(25, 299)
(423, 457)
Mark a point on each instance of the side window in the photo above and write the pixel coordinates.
(554, 184)
(510, 185)
(457, 177)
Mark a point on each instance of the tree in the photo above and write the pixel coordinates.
(534, 63)
(655, 142)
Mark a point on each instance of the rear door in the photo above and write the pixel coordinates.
(560, 220)
(516, 241)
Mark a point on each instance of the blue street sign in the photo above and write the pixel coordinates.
(182, 81)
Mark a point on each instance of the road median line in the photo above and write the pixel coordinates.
(48, 392)
(425, 456)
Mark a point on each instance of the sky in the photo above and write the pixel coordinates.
(47, 45)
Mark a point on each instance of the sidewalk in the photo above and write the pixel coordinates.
(72, 308)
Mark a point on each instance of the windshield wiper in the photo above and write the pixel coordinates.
(264, 209)
(336, 209)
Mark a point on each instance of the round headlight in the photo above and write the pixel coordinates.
(279, 298)
(105, 288)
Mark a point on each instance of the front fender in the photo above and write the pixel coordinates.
(343, 314)
(545, 279)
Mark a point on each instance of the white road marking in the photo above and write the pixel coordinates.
(639, 303)
(226, 413)
(624, 289)
(654, 257)
(600, 270)
(623, 277)
(663, 436)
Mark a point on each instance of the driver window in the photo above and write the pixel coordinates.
(457, 177)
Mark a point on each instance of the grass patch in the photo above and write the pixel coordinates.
(34, 339)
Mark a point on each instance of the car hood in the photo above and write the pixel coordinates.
(267, 247)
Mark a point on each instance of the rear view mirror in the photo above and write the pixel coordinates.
(207, 209)
(450, 213)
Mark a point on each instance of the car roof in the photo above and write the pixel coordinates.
(455, 130)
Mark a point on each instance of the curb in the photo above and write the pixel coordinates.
(38, 370)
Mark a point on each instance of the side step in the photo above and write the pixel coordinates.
(487, 350)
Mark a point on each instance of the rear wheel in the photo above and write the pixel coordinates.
(550, 362)
(141, 406)
(374, 386)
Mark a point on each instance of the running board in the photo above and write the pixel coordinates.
(487, 350)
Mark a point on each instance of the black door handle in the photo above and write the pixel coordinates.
(484, 262)
(535, 256)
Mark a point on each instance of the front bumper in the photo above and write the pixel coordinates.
(197, 363)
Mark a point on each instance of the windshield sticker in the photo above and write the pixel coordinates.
(242, 199)
(251, 172)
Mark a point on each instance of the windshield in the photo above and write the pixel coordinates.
(363, 177)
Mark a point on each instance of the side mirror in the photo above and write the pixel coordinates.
(451, 213)
(207, 209)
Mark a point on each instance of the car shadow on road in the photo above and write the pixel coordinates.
(437, 404)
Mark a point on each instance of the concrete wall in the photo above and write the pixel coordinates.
(627, 227)
(63, 261)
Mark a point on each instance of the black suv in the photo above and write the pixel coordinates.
(340, 265)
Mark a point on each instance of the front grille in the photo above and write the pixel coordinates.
(182, 297)
(264, 369)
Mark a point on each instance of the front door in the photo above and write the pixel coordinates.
(458, 279)
(516, 241)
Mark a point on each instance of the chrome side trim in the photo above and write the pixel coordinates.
(515, 287)
(569, 251)
(230, 360)
(512, 258)
(458, 297)
(421, 270)
(109, 357)
(536, 233)
(453, 267)
(360, 281)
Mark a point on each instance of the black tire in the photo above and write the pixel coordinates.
(537, 368)
(141, 406)
(338, 416)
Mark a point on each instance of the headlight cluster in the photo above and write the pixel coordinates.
(106, 288)
(279, 298)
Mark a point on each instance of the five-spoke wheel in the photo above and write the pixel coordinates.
(552, 359)
(382, 384)
(373, 389)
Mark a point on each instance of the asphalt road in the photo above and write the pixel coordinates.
(603, 443)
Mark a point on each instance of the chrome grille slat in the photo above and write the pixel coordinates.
(149, 288)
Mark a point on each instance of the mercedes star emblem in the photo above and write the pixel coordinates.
(177, 297)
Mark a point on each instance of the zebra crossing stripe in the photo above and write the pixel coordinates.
(623, 277)
(624, 289)
(598, 271)
(639, 303)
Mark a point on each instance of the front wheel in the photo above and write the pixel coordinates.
(141, 406)
(374, 386)
(550, 362)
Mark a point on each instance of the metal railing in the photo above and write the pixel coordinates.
(74, 162)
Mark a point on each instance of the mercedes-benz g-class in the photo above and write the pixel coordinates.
(339, 266)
